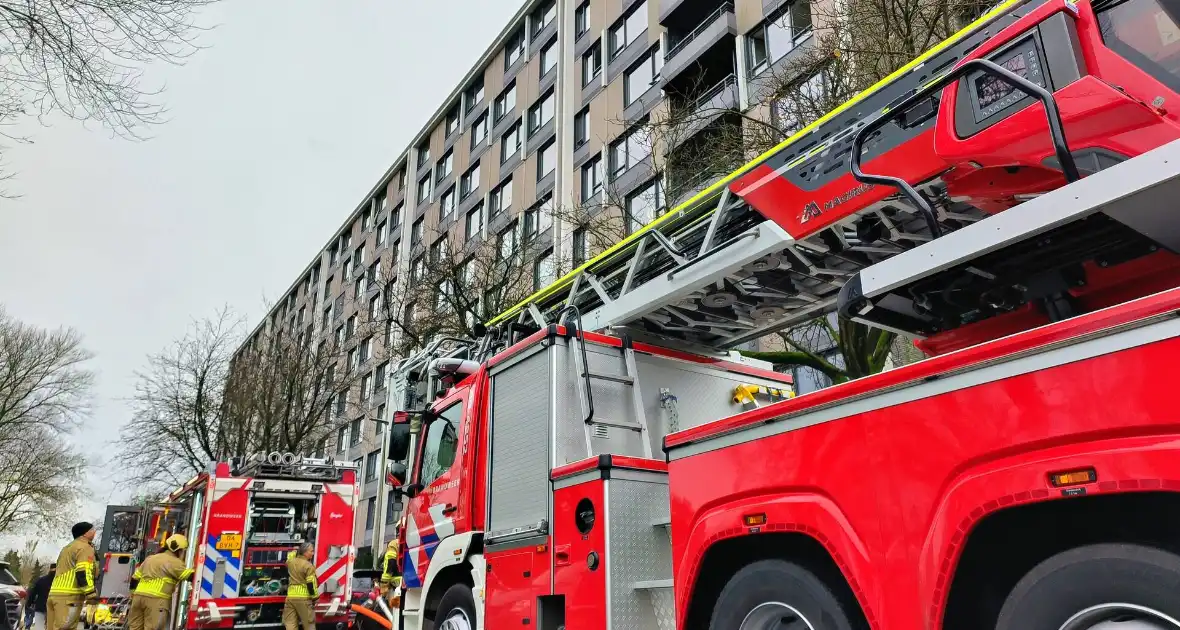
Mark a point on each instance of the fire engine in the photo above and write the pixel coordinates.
(242, 518)
(600, 459)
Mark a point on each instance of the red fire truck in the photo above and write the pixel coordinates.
(1007, 198)
(242, 519)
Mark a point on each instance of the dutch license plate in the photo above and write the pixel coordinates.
(229, 542)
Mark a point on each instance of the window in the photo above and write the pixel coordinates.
(541, 112)
(591, 178)
(445, 165)
(582, 127)
(479, 130)
(469, 183)
(544, 15)
(353, 359)
(446, 203)
(441, 442)
(507, 241)
(417, 269)
(416, 232)
(354, 437)
(546, 160)
(382, 232)
(423, 154)
(628, 29)
(358, 287)
(643, 206)
(510, 143)
(371, 475)
(790, 114)
(438, 251)
(505, 103)
(395, 217)
(452, 120)
(424, 189)
(513, 49)
(474, 221)
(327, 317)
(366, 386)
(778, 35)
(350, 327)
(366, 220)
(366, 349)
(341, 336)
(544, 272)
(474, 94)
(380, 376)
(629, 150)
(342, 439)
(391, 504)
(549, 57)
(375, 308)
(539, 218)
(581, 19)
(581, 250)
(401, 179)
(370, 512)
(501, 198)
(591, 64)
(642, 76)
(341, 401)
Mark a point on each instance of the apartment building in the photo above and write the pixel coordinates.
(547, 116)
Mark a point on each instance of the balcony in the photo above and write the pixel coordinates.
(685, 52)
(697, 114)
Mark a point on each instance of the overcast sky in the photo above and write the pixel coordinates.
(275, 133)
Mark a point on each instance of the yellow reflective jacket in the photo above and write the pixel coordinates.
(75, 570)
(389, 567)
(301, 583)
(159, 574)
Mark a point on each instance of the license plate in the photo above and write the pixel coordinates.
(229, 542)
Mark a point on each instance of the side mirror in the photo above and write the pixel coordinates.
(399, 442)
(412, 490)
(395, 474)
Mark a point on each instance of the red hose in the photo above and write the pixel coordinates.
(379, 619)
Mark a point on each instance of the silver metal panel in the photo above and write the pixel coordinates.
(644, 553)
(1105, 342)
(519, 468)
(1113, 187)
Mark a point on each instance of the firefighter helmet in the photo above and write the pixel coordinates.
(176, 542)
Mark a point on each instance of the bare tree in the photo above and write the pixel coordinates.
(40, 479)
(197, 402)
(85, 59)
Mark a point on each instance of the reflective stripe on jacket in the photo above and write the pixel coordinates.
(389, 566)
(301, 582)
(75, 570)
(159, 575)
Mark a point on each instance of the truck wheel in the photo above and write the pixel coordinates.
(1098, 587)
(778, 595)
(456, 610)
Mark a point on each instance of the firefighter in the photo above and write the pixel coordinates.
(302, 590)
(73, 581)
(390, 576)
(154, 581)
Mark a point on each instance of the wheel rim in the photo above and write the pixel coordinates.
(775, 616)
(456, 620)
(1114, 616)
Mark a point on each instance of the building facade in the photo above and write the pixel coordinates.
(548, 116)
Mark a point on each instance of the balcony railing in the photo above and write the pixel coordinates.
(696, 32)
(729, 82)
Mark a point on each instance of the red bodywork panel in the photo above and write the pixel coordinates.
(983, 447)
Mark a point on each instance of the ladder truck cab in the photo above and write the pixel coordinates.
(597, 460)
(242, 518)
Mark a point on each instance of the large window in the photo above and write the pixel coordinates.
(1123, 26)
(474, 93)
(452, 120)
(474, 221)
(442, 439)
(549, 57)
(505, 103)
(416, 232)
(479, 130)
(546, 160)
(513, 48)
(355, 428)
(424, 189)
(582, 19)
(446, 165)
(371, 466)
(642, 76)
(628, 29)
(591, 178)
(544, 271)
(591, 64)
(632, 148)
(510, 143)
(469, 183)
(644, 205)
(539, 218)
(544, 15)
(541, 112)
(382, 232)
(423, 154)
(778, 35)
(446, 205)
(506, 241)
(582, 127)
(501, 198)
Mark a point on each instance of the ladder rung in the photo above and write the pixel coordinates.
(626, 380)
(618, 425)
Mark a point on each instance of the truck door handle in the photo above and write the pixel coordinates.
(561, 555)
(449, 509)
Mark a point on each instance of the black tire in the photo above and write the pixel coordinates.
(457, 598)
(1079, 579)
(768, 581)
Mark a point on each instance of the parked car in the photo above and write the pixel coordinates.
(11, 596)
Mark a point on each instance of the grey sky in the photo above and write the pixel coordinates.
(275, 133)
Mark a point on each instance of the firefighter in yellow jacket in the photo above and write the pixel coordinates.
(302, 590)
(153, 583)
(73, 581)
(390, 576)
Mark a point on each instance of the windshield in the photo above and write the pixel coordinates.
(6, 577)
(1146, 33)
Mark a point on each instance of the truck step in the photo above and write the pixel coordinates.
(647, 585)
(626, 380)
(663, 521)
(630, 426)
